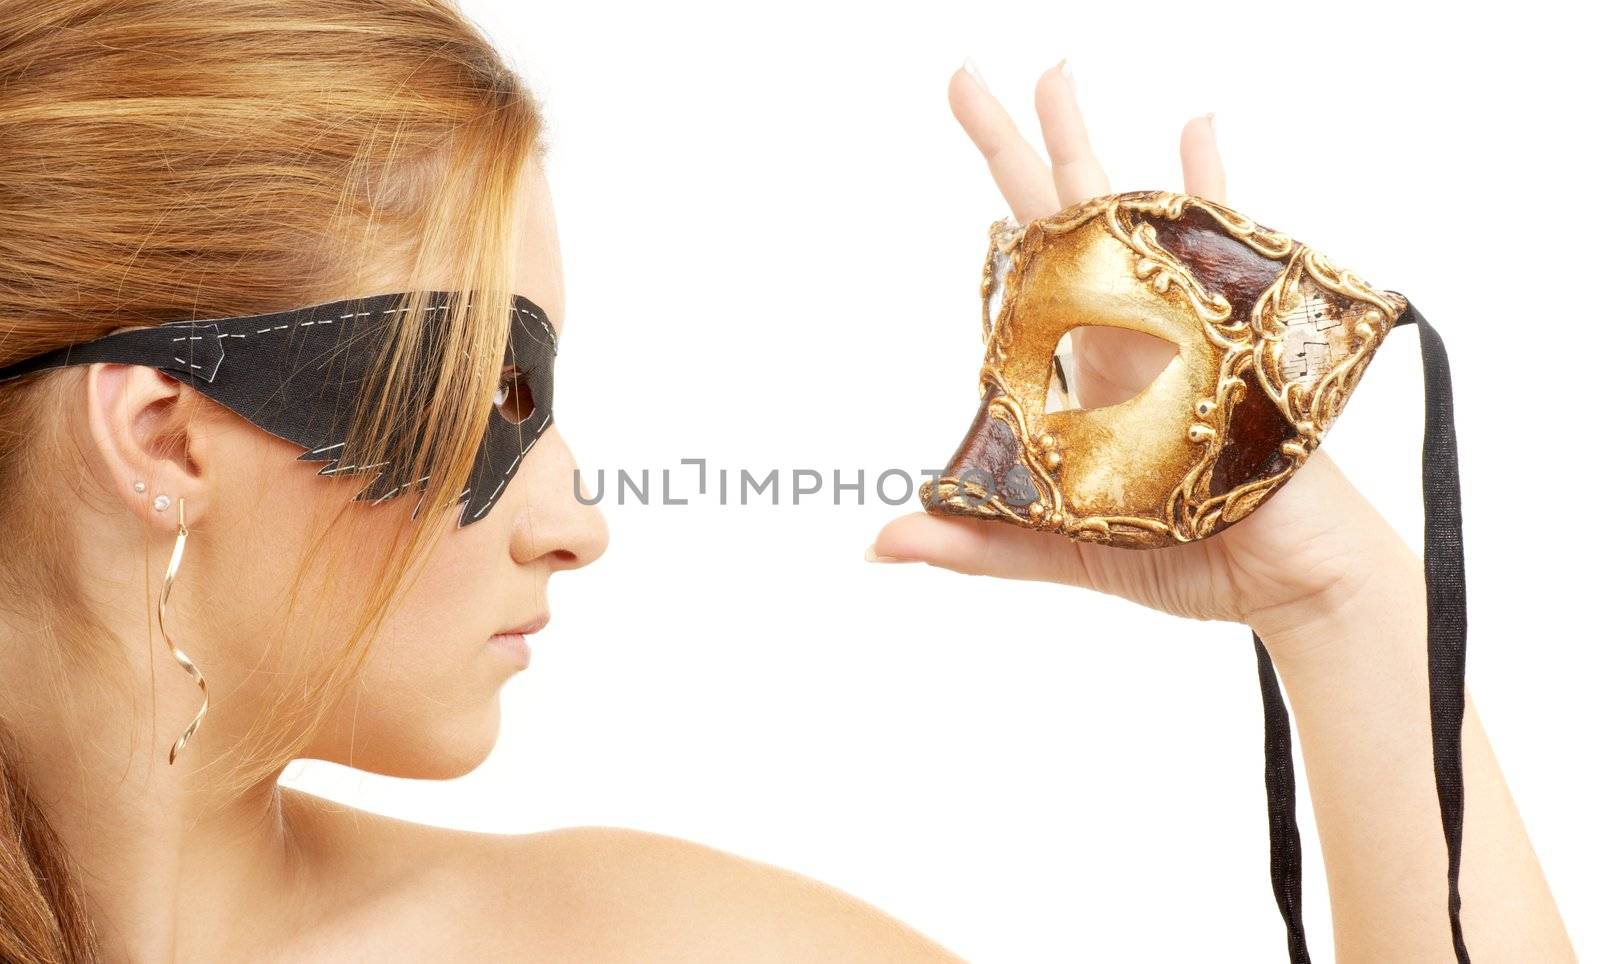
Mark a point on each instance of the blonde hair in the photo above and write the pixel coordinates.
(181, 159)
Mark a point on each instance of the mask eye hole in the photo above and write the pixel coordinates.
(513, 399)
(1099, 365)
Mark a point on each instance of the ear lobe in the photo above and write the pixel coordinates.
(141, 423)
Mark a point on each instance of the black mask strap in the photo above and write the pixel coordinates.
(1282, 830)
(1445, 575)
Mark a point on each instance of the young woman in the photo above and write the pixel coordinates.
(205, 159)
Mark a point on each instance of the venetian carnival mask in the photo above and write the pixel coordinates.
(1270, 340)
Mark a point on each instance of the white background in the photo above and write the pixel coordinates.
(773, 232)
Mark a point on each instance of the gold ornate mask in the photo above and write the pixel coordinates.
(1271, 338)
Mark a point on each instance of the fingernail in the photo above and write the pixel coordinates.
(1066, 69)
(872, 556)
(1211, 119)
(972, 69)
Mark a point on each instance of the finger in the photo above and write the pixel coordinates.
(1076, 173)
(976, 547)
(1202, 164)
(1022, 177)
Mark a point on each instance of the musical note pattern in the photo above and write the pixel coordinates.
(1316, 336)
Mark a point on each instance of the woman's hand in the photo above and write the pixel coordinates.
(1334, 593)
(1300, 557)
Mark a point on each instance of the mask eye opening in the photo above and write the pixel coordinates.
(1121, 364)
(513, 398)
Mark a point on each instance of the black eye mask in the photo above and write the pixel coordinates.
(297, 374)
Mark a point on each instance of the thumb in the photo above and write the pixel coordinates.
(978, 547)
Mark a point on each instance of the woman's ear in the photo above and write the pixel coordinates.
(148, 448)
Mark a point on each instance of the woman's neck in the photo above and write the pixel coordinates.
(172, 865)
(163, 876)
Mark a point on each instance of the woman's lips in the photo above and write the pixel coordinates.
(528, 628)
(513, 643)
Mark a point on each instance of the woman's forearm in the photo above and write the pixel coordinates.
(1356, 678)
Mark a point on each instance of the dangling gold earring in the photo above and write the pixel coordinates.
(161, 619)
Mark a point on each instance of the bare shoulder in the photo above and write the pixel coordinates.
(634, 895)
(594, 894)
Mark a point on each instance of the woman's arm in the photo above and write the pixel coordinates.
(1355, 669)
(1334, 593)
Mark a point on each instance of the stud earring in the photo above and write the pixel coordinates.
(161, 503)
(138, 486)
(161, 620)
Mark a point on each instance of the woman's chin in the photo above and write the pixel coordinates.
(435, 751)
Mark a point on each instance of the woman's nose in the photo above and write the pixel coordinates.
(551, 524)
